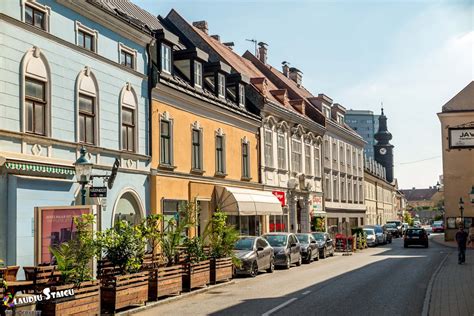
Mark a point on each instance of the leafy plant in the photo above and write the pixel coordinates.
(194, 248)
(150, 229)
(124, 245)
(74, 257)
(175, 231)
(222, 237)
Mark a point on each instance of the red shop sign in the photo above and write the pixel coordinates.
(280, 196)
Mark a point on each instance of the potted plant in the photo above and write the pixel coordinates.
(123, 283)
(221, 238)
(197, 266)
(74, 261)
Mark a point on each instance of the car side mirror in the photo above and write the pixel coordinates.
(260, 248)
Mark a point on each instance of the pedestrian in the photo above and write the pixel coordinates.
(461, 239)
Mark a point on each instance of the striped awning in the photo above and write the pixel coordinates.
(46, 169)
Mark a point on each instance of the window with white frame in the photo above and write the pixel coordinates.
(36, 14)
(343, 190)
(165, 57)
(327, 187)
(220, 155)
(307, 159)
(361, 194)
(334, 151)
(88, 108)
(341, 154)
(241, 94)
(128, 56)
(340, 118)
(129, 119)
(86, 37)
(268, 148)
(245, 160)
(327, 111)
(196, 150)
(296, 153)
(317, 161)
(35, 105)
(221, 85)
(335, 188)
(349, 190)
(326, 148)
(197, 74)
(281, 143)
(166, 142)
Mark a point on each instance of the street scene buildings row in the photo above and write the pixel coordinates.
(187, 119)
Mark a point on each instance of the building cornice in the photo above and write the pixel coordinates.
(345, 134)
(69, 45)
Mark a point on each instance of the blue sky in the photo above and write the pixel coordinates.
(411, 55)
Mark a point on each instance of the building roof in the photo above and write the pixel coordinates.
(126, 10)
(419, 194)
(463, 101)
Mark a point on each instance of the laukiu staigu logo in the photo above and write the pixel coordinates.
(10, 301)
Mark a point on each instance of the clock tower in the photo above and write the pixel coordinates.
(383, 150)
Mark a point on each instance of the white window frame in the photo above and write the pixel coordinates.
(241, 94)
(86, 72)
(268, 148)
(221, 85)
(222, 172)
(197, 74)
(200, 168)
(165, 59)
(340, 118)
(165, 117)
(307, 159)
(128, 87)
(128, 50)
(246, 142)
(327, 111)
(40, 7)
(281, 156)
(317, 160)
(296, 143)
(94, 33)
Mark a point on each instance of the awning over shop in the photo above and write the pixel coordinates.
(238, 201)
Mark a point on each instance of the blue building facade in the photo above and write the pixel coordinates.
(366, 124)
(72, 74)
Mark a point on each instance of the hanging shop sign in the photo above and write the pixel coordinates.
(461, 137)
(280, 196)
(98, 192)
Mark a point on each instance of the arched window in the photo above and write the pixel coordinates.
(128, 208)
(87, 95)
(128, 108)
(36, 89)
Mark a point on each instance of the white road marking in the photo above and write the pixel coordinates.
(279, 307)
(306, 292)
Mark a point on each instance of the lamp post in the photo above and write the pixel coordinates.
(83, 172)
(461, 208)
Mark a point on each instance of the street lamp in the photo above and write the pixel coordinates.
(461, 208)
(83, 172)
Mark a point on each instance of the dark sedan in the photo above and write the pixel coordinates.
(286, 247)
(255, 254)
(325, 244)
(415, 236)
(309, 248)
(392, 229)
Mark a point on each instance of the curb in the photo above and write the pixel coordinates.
(429, 289)
(149, 305)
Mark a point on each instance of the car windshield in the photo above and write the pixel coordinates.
(391, 225)
(378, 229)
(396, 223)
(244, 244)
(415, 232)
(276, 240)
(438, 224)
(319, 236)
(369, 231)
(302, 238)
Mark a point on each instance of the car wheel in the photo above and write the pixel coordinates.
(325, 253)
(254, 269)
(272, 266)
(310, 256)
(299, 261)
(288, 262)
(332, 252)
(317, 255)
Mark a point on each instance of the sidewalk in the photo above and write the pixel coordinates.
(452, 291)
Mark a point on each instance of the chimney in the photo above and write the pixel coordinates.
(202, 25)
(216, 37)
(296, 75)
(262, 52)
(230, 45)
(285, 68)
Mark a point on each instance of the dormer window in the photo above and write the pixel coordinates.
(221, 85)
(340, 118)
(241, 94)
(327, 111)
(197, 74)
(166, 58)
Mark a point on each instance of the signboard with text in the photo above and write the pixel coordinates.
(280, 196)
(98, 192)
(317, 203)
(461, 137)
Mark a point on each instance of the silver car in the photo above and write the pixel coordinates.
(255, 254)
(371, 238)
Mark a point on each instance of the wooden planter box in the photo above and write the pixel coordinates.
(196, 275)
(122, 291)
(86, 300)
(221, 269)
(165, 281)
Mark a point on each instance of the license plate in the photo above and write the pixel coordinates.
(415, 237)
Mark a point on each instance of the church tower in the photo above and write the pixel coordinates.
(383, 150)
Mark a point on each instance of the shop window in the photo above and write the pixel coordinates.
(171, 211)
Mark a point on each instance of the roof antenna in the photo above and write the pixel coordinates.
(254, 41)
(381, 104)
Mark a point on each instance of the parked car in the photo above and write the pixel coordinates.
(371, 238)
(255, 254)
(325, 244)
(437, 227)
(405, 227)
(309, 249)
(415, 236)
(380, 233)
(286, 247)
(392, 229)
(388, 235)
(399, 226)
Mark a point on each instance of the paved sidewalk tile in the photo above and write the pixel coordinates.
(453, 287)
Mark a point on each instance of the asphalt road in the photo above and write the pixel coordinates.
(386, 280)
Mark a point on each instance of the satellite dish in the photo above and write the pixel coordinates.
(113, 175)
